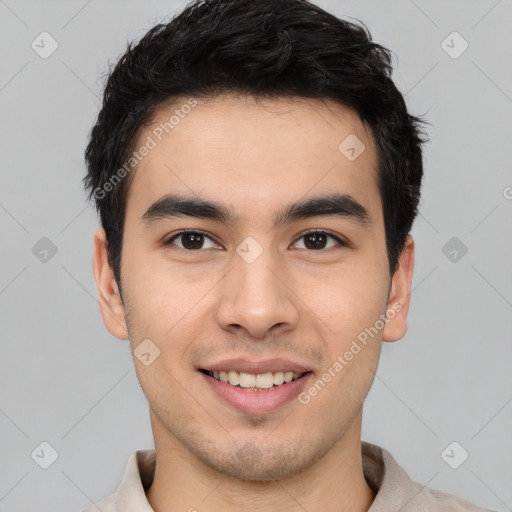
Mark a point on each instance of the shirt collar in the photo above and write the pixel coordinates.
(140, 470)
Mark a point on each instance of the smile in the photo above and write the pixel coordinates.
(255, 393)
(254, 382)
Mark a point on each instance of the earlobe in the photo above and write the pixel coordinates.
(400, 294)
(109, 298)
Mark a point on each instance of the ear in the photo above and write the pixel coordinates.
(400, 295)
(111, 306)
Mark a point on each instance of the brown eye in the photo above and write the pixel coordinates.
(315, 241)
(190, 240)
(318, 240)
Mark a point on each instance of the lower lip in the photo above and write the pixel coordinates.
(257, 402)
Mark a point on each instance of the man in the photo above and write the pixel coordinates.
(257, 175)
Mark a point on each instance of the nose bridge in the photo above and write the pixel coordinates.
(253, 295)
(256, 277)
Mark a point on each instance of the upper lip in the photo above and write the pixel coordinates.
(255, 367)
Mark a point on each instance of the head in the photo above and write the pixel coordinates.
(265, 121)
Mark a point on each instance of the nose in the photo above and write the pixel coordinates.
(256, 297)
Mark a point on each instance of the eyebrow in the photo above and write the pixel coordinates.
(338, 205)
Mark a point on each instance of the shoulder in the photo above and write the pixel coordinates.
(428, 499)
(396, 491)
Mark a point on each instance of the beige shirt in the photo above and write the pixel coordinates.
(395, 491)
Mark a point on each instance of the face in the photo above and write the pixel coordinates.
(269, 260)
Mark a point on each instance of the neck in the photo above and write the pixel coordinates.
(335, 483)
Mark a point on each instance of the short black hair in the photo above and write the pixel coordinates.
(277, 48)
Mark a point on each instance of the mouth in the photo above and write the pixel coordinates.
(254, 382)
(255, 393)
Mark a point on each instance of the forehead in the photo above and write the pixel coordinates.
(255, 154)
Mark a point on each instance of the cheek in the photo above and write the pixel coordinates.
(167, 307)
(355, 305)
(348, 301)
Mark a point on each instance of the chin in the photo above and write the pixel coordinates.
(253, 463)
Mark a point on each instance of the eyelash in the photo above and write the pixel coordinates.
(170, 241)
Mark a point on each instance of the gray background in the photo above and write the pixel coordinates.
(65, 380)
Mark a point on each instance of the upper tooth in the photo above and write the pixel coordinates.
(264, 380)
(261, 380)
(234, 378)
(247, 380)
(278, 378)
